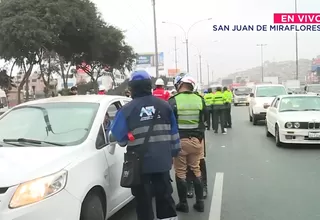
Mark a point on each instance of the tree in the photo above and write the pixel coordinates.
(27, 28)
(108, 52)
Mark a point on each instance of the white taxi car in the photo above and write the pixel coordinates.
(263, 94)
(294, 119)
(241, 95)
(56, 161)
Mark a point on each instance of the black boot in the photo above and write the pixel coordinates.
(198, 189)
(203, 169)
(182, 206)
(190, 189)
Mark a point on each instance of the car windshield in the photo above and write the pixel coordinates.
(62, 123)
(270, 91)
(302, 103)
(313, 88)
(242, 91)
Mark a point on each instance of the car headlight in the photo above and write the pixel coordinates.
(296, 125)
(288, 125)
(39, 189)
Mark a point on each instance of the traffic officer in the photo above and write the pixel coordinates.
(160, 92)
(228, 100)
(135, 118)
(218, 111)
(208, 98)
(191, 113)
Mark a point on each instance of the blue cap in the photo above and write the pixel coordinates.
(139, 75)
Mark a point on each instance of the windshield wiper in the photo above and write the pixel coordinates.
(31, 141)
(311, 109)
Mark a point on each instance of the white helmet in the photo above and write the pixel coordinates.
(102, 88)
(188, 79)
(159, 82)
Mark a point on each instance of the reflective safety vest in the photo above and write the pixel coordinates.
(188, 110)
(228, 96)
(218, 98)
(208, 98)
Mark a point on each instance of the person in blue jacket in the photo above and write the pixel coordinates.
(135, 118)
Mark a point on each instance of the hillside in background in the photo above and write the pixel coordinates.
(285, 70)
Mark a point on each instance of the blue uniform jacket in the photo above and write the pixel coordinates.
(164, 142)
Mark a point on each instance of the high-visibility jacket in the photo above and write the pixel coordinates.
(208, 98)
(219, 98)
(228, 96)
(161, 93)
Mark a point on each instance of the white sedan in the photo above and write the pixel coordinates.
(294, 119)
(56, 161)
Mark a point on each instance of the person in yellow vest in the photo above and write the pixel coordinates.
(208, 98)
(219, 107)
(228, 98)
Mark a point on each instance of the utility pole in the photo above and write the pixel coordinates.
(200, 69)
(197, 73)
(208, 69)
(155, 38)
(297, 49)
(175, 54)
(262, 70)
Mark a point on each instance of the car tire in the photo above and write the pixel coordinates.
(92, 208)
(268, 134)
(235, 104)
(277, 137)
(254, 120)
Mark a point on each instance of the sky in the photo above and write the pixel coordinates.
(223, 52)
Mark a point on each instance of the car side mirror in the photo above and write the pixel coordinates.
(251, 95)
(112, 143)
(266, 105)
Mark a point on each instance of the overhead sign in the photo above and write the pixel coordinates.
(148, 60)
(173, 72)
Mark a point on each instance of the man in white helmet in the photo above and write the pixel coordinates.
(160, 92)
(102, 90)
(190, 111)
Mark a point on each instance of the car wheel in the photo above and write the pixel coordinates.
(277, 136)
(268, 134)
(254, 120)
(235, 104)
(92, 208)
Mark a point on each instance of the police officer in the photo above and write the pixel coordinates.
(228, 100)
(191, 113)
(218, 110)
(208, 98)
(135, 118)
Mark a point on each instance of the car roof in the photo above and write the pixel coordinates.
(268, 85)
(298, 95)
(76, 98)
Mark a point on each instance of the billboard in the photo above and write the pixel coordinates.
(148, 60)
(173, 72)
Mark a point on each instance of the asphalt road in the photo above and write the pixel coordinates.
(255, 179)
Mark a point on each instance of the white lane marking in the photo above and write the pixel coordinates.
(215, 207)
(223, 146)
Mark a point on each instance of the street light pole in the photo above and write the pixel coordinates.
(186, 36)
(262, 70)
(297, 49)
(175, 53)
(200, 68)
(155, 38)
(208, 72)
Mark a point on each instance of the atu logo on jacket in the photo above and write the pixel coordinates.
(146, 113)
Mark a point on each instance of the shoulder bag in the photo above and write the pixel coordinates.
(133, 161)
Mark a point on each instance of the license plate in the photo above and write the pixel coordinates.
(314, 135)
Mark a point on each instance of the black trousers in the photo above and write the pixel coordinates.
(158, 185)
(210, 116)
(218, 115)
(228, 120)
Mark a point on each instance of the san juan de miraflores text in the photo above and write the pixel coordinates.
(276, 27)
